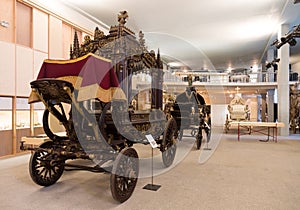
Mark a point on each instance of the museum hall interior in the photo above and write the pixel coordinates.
(149, 104)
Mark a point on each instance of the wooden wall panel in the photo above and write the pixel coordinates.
(23, 24)
(7, 14)
(7, 68)
(40, 30)
(24, 70)
(55, 38)
(39, 130)
(5, 142)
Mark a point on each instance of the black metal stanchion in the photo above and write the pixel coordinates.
(153, 187)
(208, 133)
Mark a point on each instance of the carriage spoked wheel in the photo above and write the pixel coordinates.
(124, 174)
(44, 168)
(168, 146)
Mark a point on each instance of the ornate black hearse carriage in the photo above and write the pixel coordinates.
(89, 95)
(191, 112)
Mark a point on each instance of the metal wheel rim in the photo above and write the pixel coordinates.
(124, 174)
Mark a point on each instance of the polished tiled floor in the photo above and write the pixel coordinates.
(233, 175)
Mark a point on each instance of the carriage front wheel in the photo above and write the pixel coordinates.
(44, 168)
(124, 174)
(168, 146)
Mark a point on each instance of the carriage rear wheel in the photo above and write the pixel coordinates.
(124, 174)
(45, 169)
(168, 146)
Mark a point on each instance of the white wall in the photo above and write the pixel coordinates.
(38, 58)
(19, 65)
(40, 30)
(24, 70)
(64, 10)
(55, 38)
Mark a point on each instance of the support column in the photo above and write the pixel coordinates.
(270, 58)
(263, 107)
(283, 83)
(270, 105)
(263, 72)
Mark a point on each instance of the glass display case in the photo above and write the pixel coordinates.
(38, 111)
(5, 113)
(22, 113)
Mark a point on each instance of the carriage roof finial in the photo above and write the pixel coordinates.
(122, 17)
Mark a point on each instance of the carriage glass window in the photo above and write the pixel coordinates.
(5, 113)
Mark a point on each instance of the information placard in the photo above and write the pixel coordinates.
(151, 141)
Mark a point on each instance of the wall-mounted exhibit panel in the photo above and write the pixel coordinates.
(40, 30)
(24, 70)
(7, 68)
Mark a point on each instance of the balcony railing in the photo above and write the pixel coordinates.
(215, 77)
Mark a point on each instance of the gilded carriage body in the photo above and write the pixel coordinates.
(238, 111)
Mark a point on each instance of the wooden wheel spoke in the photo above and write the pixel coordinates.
(41, 172)
(46, 173)
(50, 175)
